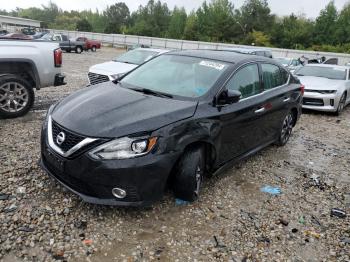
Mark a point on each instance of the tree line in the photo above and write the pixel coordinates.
(214, 21)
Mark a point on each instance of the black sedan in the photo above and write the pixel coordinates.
(170, 122)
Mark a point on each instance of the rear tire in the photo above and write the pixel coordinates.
(93, 49)
(78, 49)
(16, 96)
(286, 129)
(189, 174)
(341, 104)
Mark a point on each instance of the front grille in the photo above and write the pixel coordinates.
(95, 79)
(313, 102)
(71, 139)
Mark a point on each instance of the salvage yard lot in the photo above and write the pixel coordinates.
(233, 220)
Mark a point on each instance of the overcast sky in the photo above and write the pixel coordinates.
(281, 7)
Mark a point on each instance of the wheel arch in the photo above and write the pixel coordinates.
(24, 68)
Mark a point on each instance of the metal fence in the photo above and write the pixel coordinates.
(125, 40)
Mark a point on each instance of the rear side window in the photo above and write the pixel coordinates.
(272, 76)
(246, 80)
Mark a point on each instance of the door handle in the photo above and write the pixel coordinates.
(261, 110)
(286, 100)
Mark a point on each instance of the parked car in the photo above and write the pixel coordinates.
(132, 47)
(38, 35)
(172, 121)
(250, 51)
(25, 66)
(290, 63)
(92, 45)
(327, 87)
(18, 36)
(117, 67)
(65, 43)
(28, 31)
(3, 32)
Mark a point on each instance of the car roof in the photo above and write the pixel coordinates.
(330, 66)
(224, 56)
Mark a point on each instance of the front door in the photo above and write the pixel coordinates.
(240, 130)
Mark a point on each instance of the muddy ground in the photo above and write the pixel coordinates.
(232, 221)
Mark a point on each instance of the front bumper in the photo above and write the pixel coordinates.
(59, 80)
(320, 102)
(144, 179)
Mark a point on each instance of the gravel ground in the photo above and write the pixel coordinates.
(232, 221)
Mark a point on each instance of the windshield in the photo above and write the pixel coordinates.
(47, 37)
(176, 75)
(283, 61)
(136, 57)
(319, 71)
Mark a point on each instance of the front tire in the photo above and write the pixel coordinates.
(286, 129)
(341, 104)
(78, 49)
(189, 174)
(16, 96)
(93, 49)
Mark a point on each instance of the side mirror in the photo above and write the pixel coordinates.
(229, 97)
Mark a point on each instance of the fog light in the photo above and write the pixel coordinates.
(332, 102)
(119, 193)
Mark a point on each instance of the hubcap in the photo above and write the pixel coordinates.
(13, 97)
(287, 128)
(198, 180)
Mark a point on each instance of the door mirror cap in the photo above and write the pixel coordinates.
(229, 97)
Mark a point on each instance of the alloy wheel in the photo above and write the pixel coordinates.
(13, 97)
(287, 128)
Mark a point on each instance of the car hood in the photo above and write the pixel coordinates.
(111, 68)
(320, 83)
(108, 110)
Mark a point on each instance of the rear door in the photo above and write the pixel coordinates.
(278, 95)
(240, 122)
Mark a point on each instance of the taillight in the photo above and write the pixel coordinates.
(302, 89)
(57, 54)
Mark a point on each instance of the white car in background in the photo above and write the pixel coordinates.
(114, 69)
(327, 87)
(291, 64)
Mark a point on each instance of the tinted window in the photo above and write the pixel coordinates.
(246, 80)
(176, 75)
(285, 75)
(64, 38)
(272, 76)
(322, 71)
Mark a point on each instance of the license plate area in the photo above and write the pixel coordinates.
(57, 162)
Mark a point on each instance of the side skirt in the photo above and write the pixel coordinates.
(231, 163)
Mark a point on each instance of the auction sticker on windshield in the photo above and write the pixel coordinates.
(215, 65)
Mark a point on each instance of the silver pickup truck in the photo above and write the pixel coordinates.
(25, 66)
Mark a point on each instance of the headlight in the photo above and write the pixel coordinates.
(124, 148)
(116, 76)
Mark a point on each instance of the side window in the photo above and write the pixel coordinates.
(64, 38)
(246, 80)
(272, 76)
(285, 75)
(55, 38)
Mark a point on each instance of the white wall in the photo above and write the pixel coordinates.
(117, 39)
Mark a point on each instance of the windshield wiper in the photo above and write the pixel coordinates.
(151, 92)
